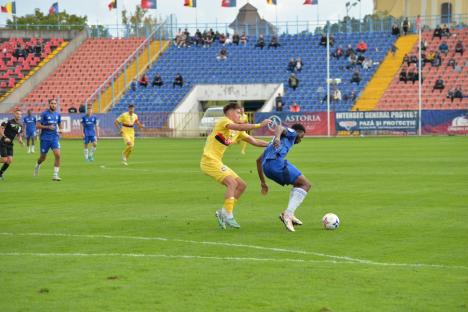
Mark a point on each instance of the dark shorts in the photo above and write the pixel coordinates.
(89, 139)
(281, 171)
(46, 145)
(6, 149)
(30, 134)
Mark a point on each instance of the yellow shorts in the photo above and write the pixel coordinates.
(216, 169)
(128, 137)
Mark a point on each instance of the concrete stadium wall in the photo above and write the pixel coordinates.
(30, 84)
(211, 92)
(46, 34)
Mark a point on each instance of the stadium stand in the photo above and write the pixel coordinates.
(249, 65)
(77, 78)
(400, 96)
(22, 56)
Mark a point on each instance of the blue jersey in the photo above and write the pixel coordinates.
(30, 123)
(287, 142)
(49, 118)
(89, 125)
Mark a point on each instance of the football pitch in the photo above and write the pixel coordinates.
(144, 237)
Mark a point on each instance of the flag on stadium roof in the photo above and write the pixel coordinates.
(149, 4)
(10, 8)
(112, 5)
(312, 2)
(190, 3)
(271, 2)
(54, 9)
(228, 3)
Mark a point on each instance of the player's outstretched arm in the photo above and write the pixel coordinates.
(117, 125)
(255, 142)
(139, 124)
(247, 126)
(278, 133)
(261, 176)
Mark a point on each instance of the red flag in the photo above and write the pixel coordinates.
(112, 5)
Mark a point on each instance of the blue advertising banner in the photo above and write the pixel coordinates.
(445, 122)
(406, 121)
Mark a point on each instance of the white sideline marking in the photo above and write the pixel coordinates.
(343, 259)
(133, 255)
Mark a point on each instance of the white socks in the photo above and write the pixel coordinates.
(86, 153)
(295, 200)
(56, 171)
(93, 151)
(227, 214)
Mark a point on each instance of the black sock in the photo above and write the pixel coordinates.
(4, 168)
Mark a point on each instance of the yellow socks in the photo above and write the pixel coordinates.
(229, 205)
(127, 151)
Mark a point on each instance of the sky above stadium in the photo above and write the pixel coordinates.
(209, 11)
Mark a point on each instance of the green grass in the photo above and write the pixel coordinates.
(400, 201)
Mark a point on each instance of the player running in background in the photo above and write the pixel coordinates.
(29, 122)
(125, 124)
(51, 127)
(273, 163)
(8, 131)
(228, 130)
(243, 119)
(90, 130)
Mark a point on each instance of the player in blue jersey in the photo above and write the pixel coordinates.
(273, 164)
(90, 130)
(29, 122)
(51, 127)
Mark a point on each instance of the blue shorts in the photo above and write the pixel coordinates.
(30, 134)
(281, 171)
(47, 144)
(89, 139)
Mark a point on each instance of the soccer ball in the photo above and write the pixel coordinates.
(330, 221)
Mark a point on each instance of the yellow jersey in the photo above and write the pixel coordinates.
(127, 121)
(220, 138)
(244, 118)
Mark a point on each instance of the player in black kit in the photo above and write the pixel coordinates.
(9, 130)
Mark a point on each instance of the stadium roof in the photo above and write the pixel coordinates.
(249, 20)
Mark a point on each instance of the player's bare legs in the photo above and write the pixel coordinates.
(6, 163)
(127, 151)
(57, 156)
(234, 189)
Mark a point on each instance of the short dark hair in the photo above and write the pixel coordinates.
(50, 101)
(232, 105)
(131, 105)
(298, 127)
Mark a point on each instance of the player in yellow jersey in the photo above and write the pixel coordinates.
(125, 124)
(228, 130)
(243, 119)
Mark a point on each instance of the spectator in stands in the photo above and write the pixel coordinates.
(244, 39)
(405, 25)
(293, 82)
(222, 55)
(349, 51)
(414, 59)
(439, 85)
(350, 97)
(338, 52)
(452, 63)
(356, 77)
(133, 85)
(437, 60)
(299, 64)
(445, 31)
(393, 49)
(157, 80)
(235, 39)
(82, 109)
(178, 81)
(292, 65)
(367, 63)
(260, 42)
(323, 40)
(207, 40)
(395, 30)
(178, 38)
(228, 40)
(279, 103)
(143, 80)
(294, 108)
(403, 75)
(352, 61)
(430, 57)
(274, 42)
(360, 59)
(187, 37)
(443, 47)
(222, 39)
(336, 95)
(459, 47)
(424, 45)
(361, 47)
(437, 32)
(407, 60)
(198, 38)
(455, 93)
(332, 40)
